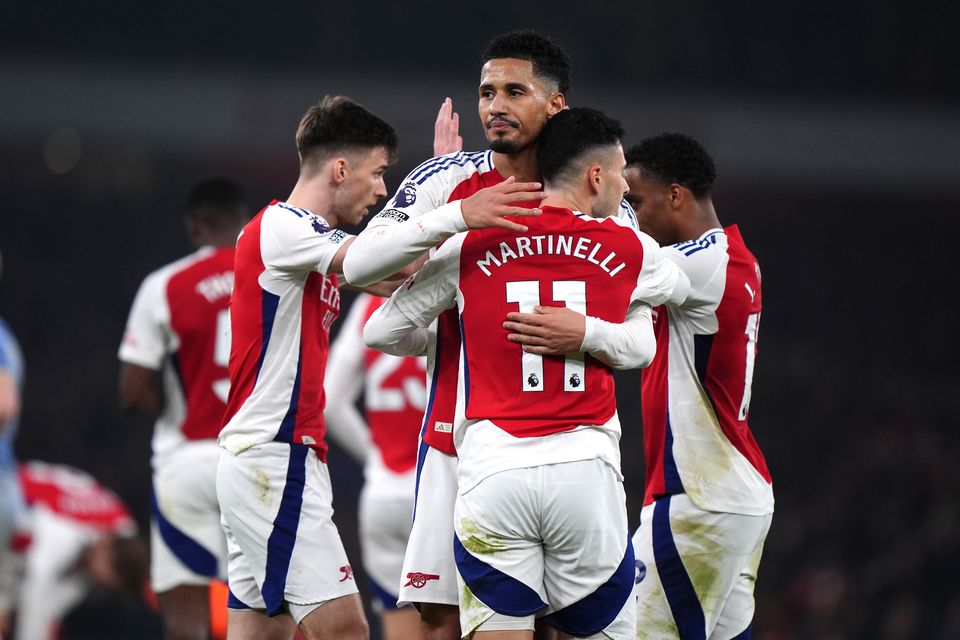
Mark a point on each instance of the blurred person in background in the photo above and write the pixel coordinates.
(174, 365)
(75, 536)
(394, 398)
(11, 500)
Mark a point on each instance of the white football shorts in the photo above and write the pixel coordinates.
(548, 541)
(187, 544)
(386, 510)
(284, 552)
(429, 572)
(696, 570)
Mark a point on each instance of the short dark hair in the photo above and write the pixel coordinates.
(569, 136)
(337, 124)
(674, 158)
(217, 203)
(548, 59)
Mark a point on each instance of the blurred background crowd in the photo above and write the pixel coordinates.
(835, 129)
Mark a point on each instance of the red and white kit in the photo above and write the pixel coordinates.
(709, 497)
(537, 435)
(67, 511)
(395, 396)
(180, 324)
(272, 480)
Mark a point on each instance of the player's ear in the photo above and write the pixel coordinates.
(339, 170)
(556, 103)
(595, 177)
(676, 195)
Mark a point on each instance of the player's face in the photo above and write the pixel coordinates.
(650, 201)
(362, 187)
(514, 104)
(613, 185)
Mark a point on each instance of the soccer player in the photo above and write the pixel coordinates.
(272, 482)
(540, 517)
(75, 534)
(174, 363)
(709, 495)
(394, 397)
(523, 82)
(709, 498)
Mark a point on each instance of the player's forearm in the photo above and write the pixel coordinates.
(380, 252)
(390, 331)
(630, 345)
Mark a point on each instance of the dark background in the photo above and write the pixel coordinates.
(835, 129)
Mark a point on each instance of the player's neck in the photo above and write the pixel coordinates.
(313, 196)
(703, 218)
(522, 165)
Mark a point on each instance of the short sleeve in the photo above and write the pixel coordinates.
(297, 241)
(147, 334)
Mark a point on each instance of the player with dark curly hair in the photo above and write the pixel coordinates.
(709, 495)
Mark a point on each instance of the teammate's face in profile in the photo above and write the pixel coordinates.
(363, 186)
(651, 202)
(514, 104)
(613, 185)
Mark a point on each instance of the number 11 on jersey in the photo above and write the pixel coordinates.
(526, 294)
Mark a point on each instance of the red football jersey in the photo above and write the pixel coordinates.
(394, 398)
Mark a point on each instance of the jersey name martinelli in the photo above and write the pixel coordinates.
(180, 324)
(517, 409)
(696, 392)
(431, 185)
(283, 305)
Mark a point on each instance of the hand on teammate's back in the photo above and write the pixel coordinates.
(489, 207)
(549, 331)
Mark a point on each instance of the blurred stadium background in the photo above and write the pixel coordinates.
(835, 128)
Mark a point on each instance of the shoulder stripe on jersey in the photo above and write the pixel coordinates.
(458, 157)
(297, 212)
(448, 162)
(693, 246)
(626, 211)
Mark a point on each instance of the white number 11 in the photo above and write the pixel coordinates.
(526, 293)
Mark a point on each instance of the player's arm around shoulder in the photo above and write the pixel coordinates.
(399, 326)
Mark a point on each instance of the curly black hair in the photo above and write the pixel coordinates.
(569, 136)
(548, 59)
(674, 158)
